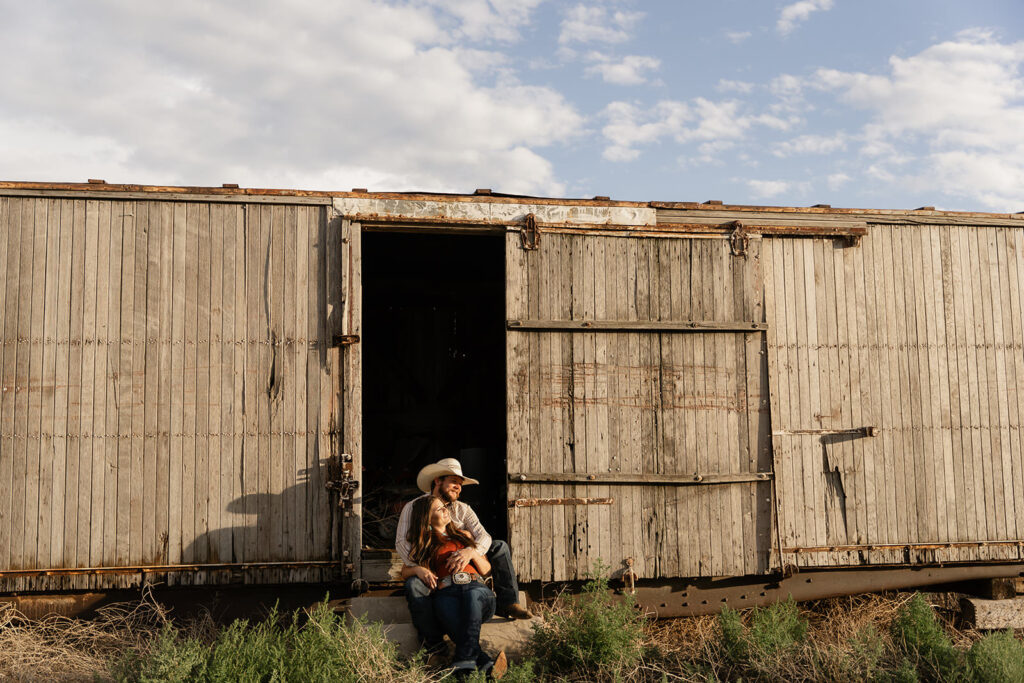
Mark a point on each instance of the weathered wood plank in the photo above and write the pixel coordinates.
(32, 383)
(239, 521)
(166, 289)
(517, 418)
(11, 237)
(177, 385)
(352, 402)
(123, 404)
(276, 380)
(47, 383)
(290, 474)
(303, 521)
(62, 338)
(137, 396)
(315, 234)
(218, 500)
(191, 515)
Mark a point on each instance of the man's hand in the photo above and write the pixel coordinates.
(426, 576)
(458, 560)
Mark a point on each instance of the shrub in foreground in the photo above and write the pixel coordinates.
(996, 658)
(773, 631)
(922, 641)
(593, 634)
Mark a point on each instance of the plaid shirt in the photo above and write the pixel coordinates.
(462, 516)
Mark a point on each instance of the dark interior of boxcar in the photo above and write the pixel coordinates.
(433, 371)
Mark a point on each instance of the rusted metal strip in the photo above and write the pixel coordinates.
(536, 502)
(230, 196)
(638, 478)
(636, 325)
(903, 546)
(682, 598)
(855, 431)
(169, 568)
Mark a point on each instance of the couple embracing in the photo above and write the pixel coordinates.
(447, 555)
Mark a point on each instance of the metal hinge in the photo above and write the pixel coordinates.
(529, 234)
(345, 485)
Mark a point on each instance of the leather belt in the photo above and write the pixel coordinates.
(459, 579)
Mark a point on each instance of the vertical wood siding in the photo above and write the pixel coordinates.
(167, 390)
(637, 402)
(917, 332)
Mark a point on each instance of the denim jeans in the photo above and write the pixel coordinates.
(461, 610)
(421, 608)
(506, 588)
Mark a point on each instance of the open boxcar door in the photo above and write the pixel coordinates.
(637, 408)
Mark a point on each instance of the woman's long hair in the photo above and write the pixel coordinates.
(421, 535)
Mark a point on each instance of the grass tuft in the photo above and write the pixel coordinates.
(592, 633)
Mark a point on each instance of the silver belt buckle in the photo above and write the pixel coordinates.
(461, 578)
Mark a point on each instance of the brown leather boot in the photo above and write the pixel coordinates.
(514, 611)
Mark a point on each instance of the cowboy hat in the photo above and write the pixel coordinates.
(441, 468)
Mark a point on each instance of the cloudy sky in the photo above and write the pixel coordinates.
(865, 103)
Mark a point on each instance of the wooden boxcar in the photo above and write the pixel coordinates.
(686, 393)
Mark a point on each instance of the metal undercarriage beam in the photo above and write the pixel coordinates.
(683, 598)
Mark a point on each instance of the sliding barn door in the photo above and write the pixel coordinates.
(637, 414)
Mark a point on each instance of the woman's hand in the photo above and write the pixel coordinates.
(423, 574)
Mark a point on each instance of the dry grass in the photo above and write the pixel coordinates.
(64, 649)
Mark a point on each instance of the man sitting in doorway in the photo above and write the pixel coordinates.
(444, 479)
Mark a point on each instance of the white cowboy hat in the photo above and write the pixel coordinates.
(441, 468)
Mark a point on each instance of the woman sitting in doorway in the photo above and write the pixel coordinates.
(462, 601)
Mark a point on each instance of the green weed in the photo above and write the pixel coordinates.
(922, 641)
(996, 658)
(591, 633)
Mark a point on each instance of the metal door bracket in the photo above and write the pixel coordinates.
(529, 234)
(739, 239)
(345, 484)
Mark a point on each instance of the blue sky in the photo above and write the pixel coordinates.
(898, 104)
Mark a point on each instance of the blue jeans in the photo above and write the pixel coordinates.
(421, 608)
(461, 610)
(506, 588)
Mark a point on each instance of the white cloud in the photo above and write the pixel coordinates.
(486, 19)
(336, 95)
(742, 87)
(596, 24)
(798, 12)
(629, 71)
(837, 180)
(737, 37)
(700, 120)
(766, 189)
(957, 109)
(811, 144)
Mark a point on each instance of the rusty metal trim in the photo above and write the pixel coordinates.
(170, 568)
(854, 431)
(682, 598)
(537, 502)
(903, 546)
(605, 478)
(635, 325)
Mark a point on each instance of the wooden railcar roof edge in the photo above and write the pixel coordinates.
(668, 212)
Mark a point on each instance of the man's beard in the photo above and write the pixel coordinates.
(447, 497)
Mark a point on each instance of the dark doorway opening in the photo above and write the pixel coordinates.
(433, 372)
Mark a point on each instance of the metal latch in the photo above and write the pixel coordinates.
(345, 485)
(529, 234)
(345, 339)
